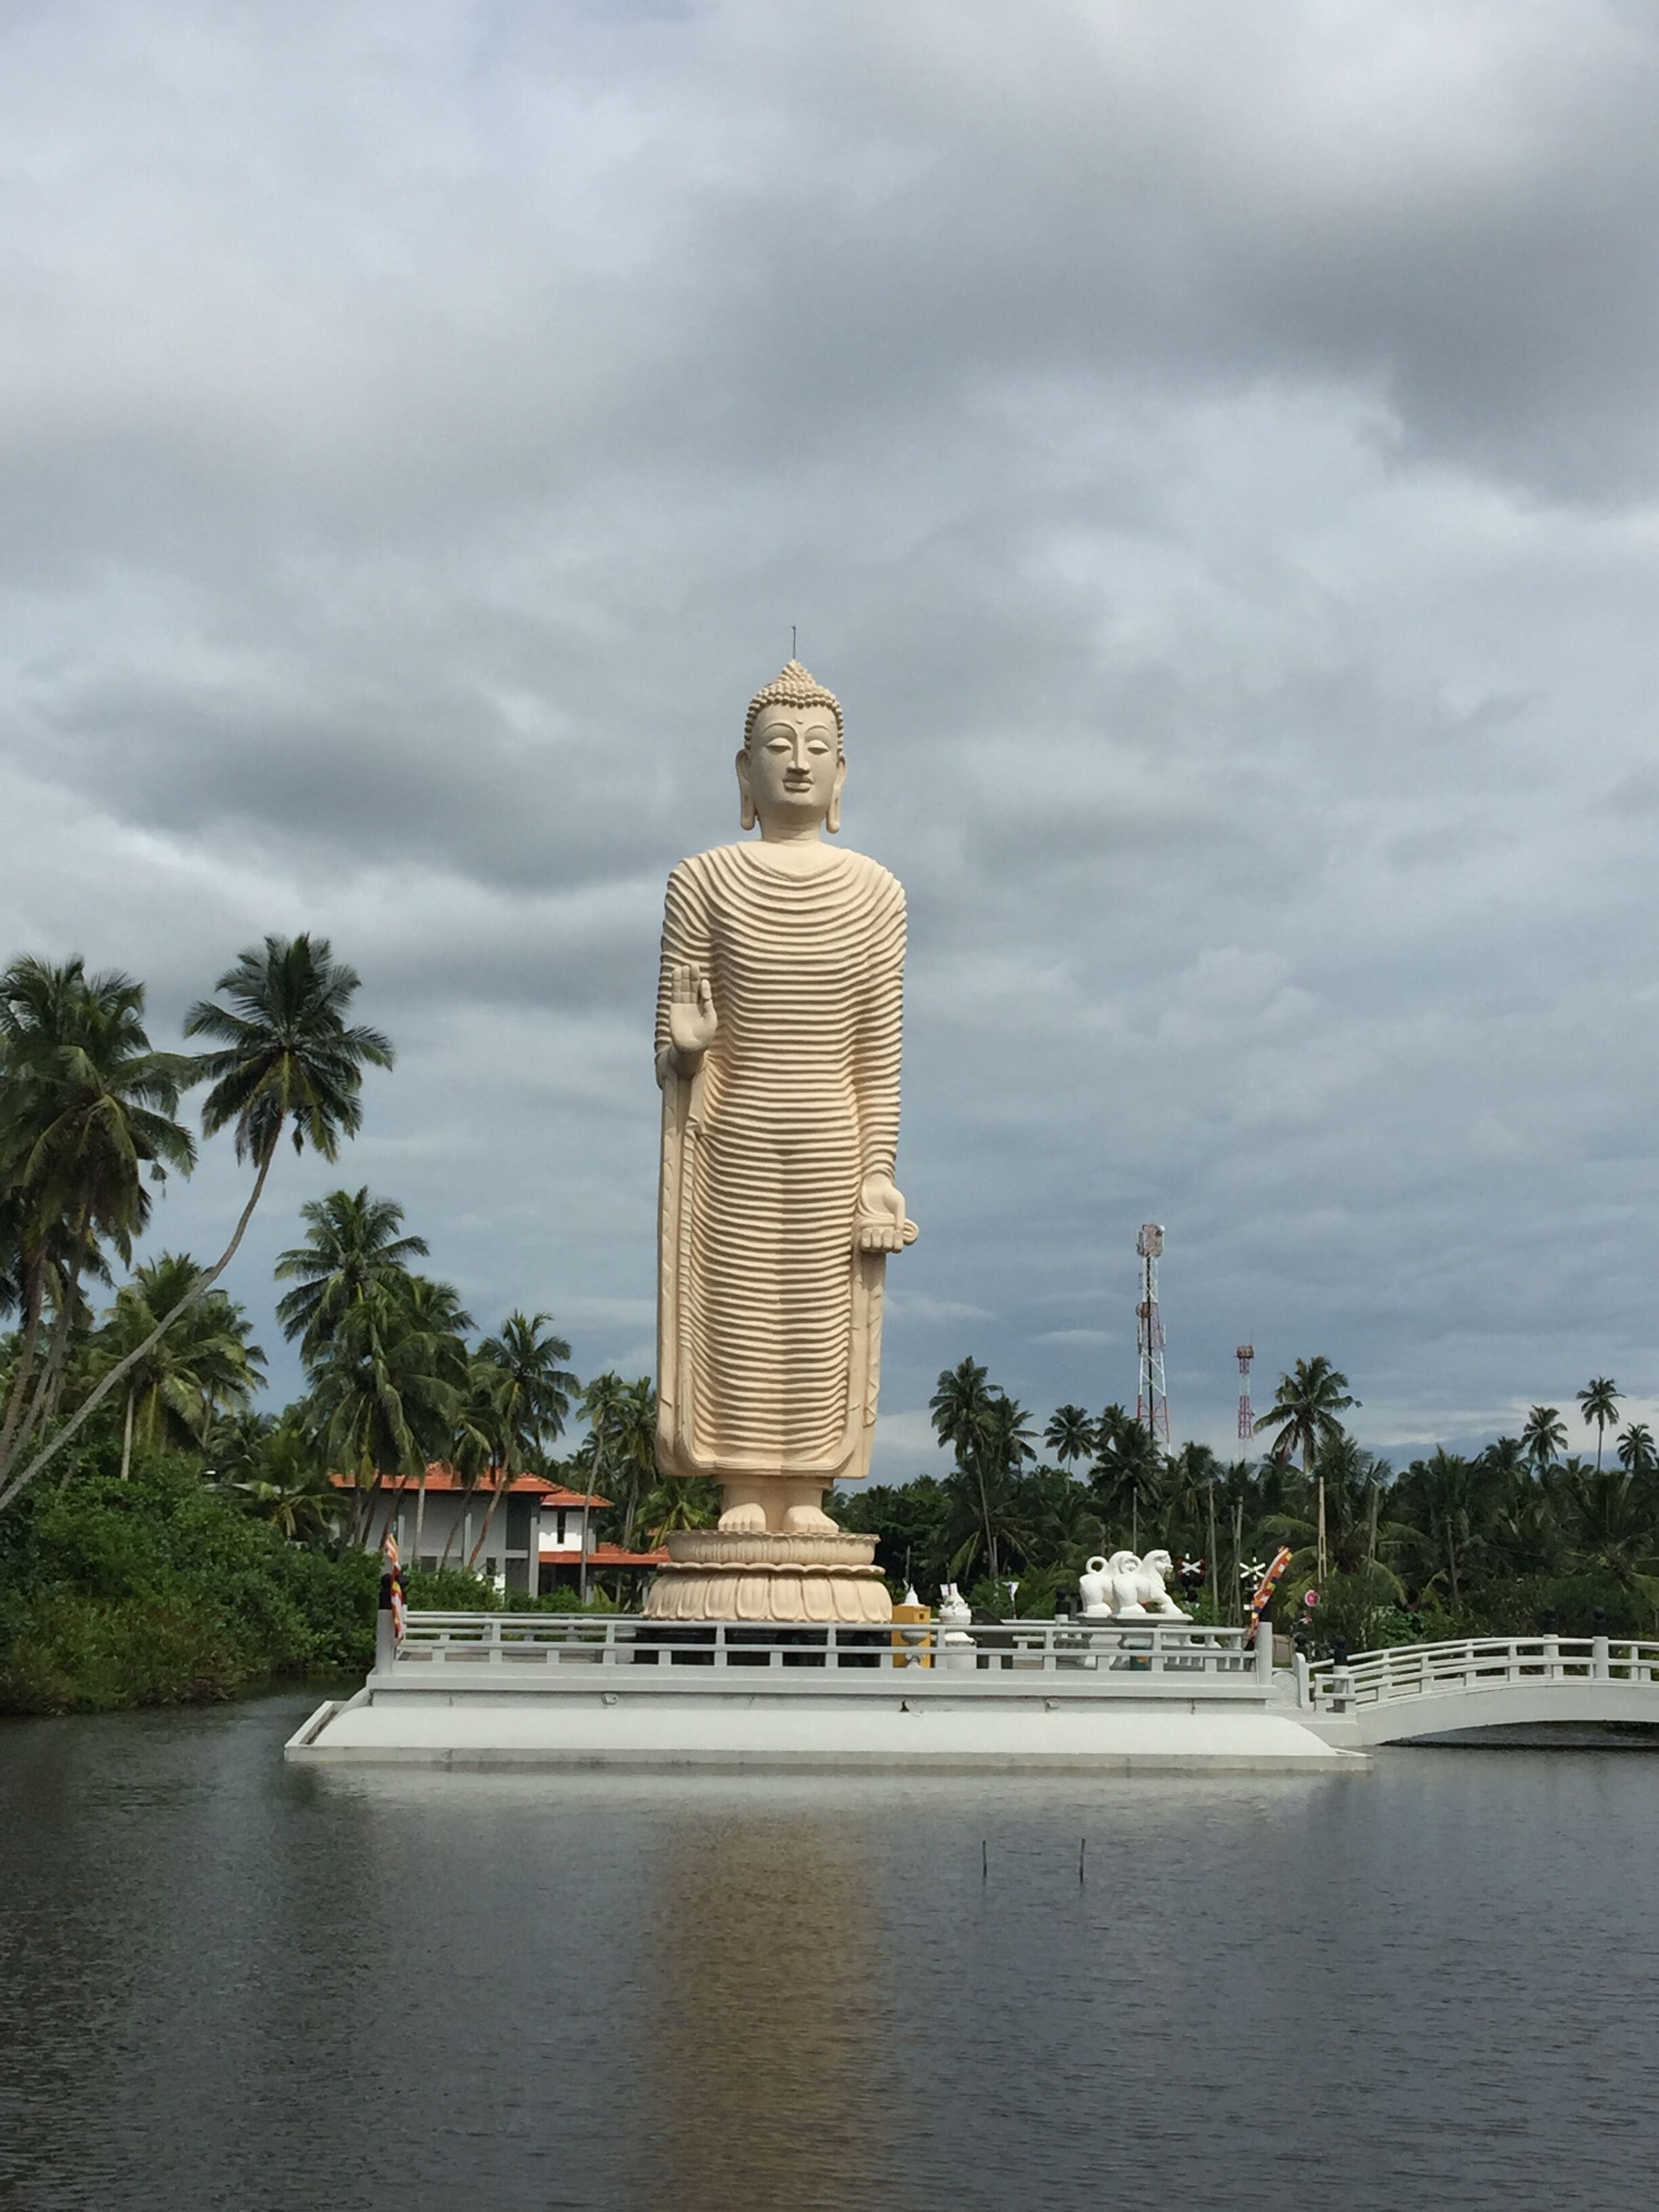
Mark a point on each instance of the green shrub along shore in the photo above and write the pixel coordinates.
(161, 1589)
(158, 1590)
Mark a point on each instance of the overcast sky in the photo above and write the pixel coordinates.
(1212, 450)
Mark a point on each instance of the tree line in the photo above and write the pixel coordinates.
(1501, 1540)
(397, 1375)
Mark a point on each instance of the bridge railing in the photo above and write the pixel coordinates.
(1473, 1663)
(497, 1642)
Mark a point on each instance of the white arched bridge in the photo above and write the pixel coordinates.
(1418, 1690)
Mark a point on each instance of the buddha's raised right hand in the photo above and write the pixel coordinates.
(692, 1020)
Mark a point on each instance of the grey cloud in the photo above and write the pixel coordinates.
(1210, 451)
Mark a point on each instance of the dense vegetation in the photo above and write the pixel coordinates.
(1498, 1541)
(156, 1589)
(161, 1538)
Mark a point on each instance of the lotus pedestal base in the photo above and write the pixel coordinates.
(714, 1574)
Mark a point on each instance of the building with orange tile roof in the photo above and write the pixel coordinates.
(539, 1536)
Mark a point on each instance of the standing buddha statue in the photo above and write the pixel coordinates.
(779, 1013)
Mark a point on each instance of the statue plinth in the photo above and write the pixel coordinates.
(812, 1577)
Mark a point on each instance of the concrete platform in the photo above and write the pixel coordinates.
(1048, 1699)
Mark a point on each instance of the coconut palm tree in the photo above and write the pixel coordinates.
(961, 1405)
(1059, 1519)
(1636, 1450)
(963, 1409)
(87, 1106)
(679, 1502)
(1127, 1470)
(1448, 1498)
(385, 1392)
(1354, 1483)
(1544, 1434)
(996, 1454)
(1304, 1411)
(1506, 1456)
(539, 1387)
(1070, 1434)
(286, 1062)
(204, 1367)
(620, 1452)
(1598, 1401)
(351, 1242)
(435, 1316)
(1611, 1527)
(1190, 1477)
(521, 1374)
(288, 1484)
(236, 1441)
(605, 1408)
(634, 1451)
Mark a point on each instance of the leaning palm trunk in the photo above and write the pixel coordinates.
(126, 1437)
(503, 1481)
(392, 1503)
(470, 1491)
(26, 1352)
(593, 1491)
(123, 1368)
(420, 1515)
(363, 1518)
(49, 1381)
(45, 1391)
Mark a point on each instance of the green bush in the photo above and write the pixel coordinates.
(450, 1591)
(563, 1599)
(160, 1590)
(454, 1590)
(1520, 1607)
(1364, 1607)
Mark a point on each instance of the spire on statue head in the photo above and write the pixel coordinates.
(793, 686)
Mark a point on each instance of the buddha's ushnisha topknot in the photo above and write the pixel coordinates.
(793, 686)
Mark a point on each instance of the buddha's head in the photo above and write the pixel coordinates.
(791, 767)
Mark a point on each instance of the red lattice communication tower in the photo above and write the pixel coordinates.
(1151, 1392)
(1246, 1418)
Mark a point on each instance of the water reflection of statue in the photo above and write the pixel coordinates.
(778, 1024)
(765, 2079)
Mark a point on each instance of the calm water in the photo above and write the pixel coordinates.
(226, 1985)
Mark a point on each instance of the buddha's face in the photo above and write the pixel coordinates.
(791, 769)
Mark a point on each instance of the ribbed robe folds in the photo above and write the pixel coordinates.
(768, 1321)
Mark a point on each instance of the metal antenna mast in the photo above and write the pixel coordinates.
(1246, 1418)
(1151, 1392)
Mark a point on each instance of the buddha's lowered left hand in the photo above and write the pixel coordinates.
(881, 1224)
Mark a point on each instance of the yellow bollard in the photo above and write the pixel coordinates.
(903, 1656)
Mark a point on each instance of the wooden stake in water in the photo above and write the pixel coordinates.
(984, 1860)
(1082, 1846)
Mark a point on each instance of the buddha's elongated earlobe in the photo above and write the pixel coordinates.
(746, 813)
(832, 818)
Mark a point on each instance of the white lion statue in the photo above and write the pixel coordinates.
(1128, 1587)
(1095, 1588)
(1155, 1599)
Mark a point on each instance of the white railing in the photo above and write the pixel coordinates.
(501, 1641)
(1476, 1663)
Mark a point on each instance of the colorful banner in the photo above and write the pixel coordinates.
(1265, 1588)
(394, 1578)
